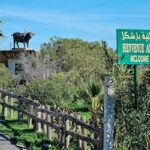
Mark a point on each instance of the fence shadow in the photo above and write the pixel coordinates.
(4, 138)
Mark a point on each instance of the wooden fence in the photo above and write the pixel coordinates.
(47, 121)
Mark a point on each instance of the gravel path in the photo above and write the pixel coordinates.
(7, 144)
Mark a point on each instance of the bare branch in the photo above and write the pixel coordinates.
(37, 66)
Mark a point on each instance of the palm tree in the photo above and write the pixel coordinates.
(93, 90)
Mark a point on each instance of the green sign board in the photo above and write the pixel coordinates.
(133, 46)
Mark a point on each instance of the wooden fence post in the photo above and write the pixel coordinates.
(44, 125)
(96, 147)
(4, 107)
(48, 118)
(35, 113)
(11, 110)
(20, 114)
(84, 143)
(60, 132)
(100, 145)
(64, 123)
(63, 131)
(67, 137)
(0, 101)
(38, 124)
(0, 95)
(78, 130)
(30, 109)
(108, 114)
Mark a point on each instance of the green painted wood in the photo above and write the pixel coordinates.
(136, 86)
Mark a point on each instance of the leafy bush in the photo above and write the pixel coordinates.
(75, 54)
(5, 77)
(79, 60)
(54, 91)
(95, 58)
(131, 126)
(132, 129)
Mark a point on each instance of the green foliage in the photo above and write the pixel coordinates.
(53, 91)
(94, 90)
(22, 135)
(79, 60)
(1, 32)
(5, 77)
(84, 57)
(132, 129)
(131, 126)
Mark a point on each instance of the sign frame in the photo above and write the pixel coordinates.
(133, 46)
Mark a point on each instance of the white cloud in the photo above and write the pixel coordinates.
(75, 21)
(92, 25)
(85, 22)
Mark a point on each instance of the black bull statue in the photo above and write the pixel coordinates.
(22, 37)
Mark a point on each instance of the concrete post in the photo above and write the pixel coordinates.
(108, 114)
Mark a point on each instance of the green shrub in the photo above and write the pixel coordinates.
(79, 60)
(5, 77)
(131, 126)
(92, 93)
(54, 91)
(132, 131)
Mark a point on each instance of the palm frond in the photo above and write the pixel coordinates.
(93, 88)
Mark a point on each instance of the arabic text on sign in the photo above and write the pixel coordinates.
(135, 36)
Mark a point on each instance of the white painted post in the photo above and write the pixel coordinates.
(108, 114)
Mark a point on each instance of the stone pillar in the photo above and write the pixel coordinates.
(108, 114)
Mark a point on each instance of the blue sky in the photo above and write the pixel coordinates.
(90, 20)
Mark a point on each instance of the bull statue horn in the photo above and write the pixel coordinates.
(26, 30)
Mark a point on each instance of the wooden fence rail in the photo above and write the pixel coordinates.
(47, 121)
